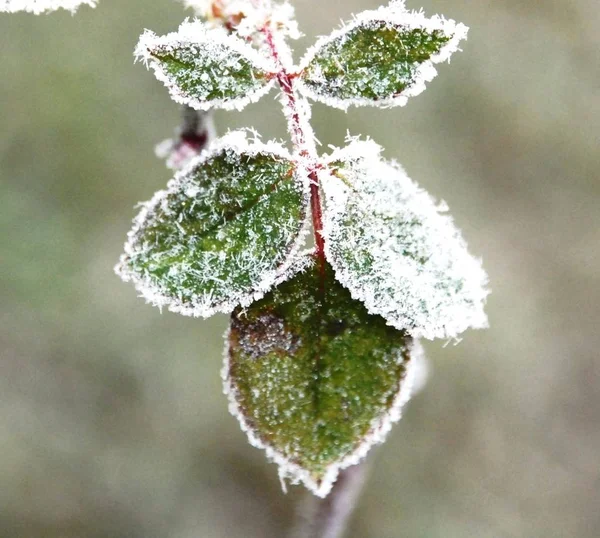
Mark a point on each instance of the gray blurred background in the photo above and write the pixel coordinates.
(112, 421)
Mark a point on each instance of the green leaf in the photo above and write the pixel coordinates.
(393, 248)
(206, 68)
(381, 58)
(223, 232)
(313, 378)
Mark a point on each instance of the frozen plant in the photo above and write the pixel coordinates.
(322, 342)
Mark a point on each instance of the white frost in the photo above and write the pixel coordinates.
(200, 45)
(39, 6)
(247, 17)
(390, 245)
(264, 272)
(394, 15)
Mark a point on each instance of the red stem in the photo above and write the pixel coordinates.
(286, 83)
(317, 219)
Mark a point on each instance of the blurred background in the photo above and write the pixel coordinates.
(112, 420)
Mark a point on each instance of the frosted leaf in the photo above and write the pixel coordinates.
(313, 378)
(381, 58)
(225, 230)
(39, 6)
(206, 68)
(392, 247)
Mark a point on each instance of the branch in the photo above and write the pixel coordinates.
(328, 518)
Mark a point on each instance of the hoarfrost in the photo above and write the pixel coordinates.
(284, 20)
(39, 6)
(393, 249)
(206, 68)
(210, 242)
(373, 75)
(176, 153)
(247, 17)
(301, 131)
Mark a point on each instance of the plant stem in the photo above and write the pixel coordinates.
(295, 111)
(328, 518)
(319, 518)
(317, 218)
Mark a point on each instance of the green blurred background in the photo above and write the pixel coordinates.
(112, 421)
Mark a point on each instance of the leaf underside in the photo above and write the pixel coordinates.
(313, 375)
(394, 250)
(218, 234)
(375, 61)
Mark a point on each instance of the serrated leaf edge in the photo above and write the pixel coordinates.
(195, 33)
(395, 14)
(237, 141)
(380, 426)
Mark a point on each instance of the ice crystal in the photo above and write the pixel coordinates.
(283, 20)
(206, 68)
(392, 247)
(39, 6)
(381, 58)
(313, 378)
(223, 233)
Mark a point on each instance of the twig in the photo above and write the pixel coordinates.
(328, 518)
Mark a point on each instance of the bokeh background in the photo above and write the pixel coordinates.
(112, 421)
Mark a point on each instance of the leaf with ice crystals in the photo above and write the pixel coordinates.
(206, 68)
(224, 231)
(381, 58)
(313, 378)
(39, 6)
(393, 249)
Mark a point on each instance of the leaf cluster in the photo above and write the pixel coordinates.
(322, 342)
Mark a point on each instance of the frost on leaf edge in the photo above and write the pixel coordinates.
(380, 426)
(236, 141)
(197, 32)
(37, 7)
(396, 14)
(369, 151)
